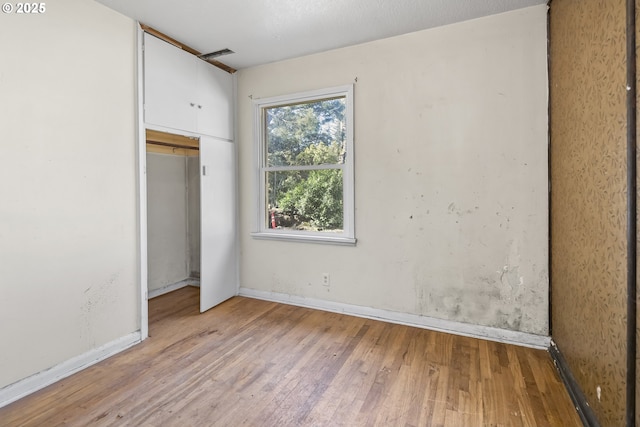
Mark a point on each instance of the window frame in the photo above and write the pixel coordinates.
(347, 236)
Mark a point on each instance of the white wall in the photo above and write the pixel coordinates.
(68, 260)
(167, 235)
(450, 172)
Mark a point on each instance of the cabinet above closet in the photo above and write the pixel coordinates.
(184, 92)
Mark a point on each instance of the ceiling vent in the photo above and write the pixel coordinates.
(217, 53)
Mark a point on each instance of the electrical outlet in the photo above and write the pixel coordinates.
(326, 280)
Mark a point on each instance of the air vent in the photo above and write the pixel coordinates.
(217, 53)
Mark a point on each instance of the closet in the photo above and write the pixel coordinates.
(190, 170)
(173, 212)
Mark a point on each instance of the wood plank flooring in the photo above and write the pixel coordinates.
(254, 363)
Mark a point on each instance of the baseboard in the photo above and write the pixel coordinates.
(432, 323)
(35, 382)
(172, 287)
(577, 396)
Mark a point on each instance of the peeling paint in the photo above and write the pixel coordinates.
(509, 277)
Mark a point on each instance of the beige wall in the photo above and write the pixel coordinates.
(450, 172)
(68, 263)
(588, 217)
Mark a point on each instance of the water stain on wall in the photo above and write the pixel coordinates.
(491, 300)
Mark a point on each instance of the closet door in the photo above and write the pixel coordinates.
(170, 88)
(215, 101)
(217, 221)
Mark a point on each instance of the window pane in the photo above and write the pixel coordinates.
(305, 200)
(306, 134)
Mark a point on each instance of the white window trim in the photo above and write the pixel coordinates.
(347, 237)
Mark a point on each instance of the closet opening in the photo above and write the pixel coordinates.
(173, 212)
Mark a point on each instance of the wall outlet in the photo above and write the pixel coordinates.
(326, 279)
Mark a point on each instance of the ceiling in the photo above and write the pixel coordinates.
(262, 31)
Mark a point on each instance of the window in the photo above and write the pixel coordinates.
(304, 153)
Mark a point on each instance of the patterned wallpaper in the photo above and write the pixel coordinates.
(638, 225)
(588, 202)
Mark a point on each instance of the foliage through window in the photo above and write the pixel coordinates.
(305, 161)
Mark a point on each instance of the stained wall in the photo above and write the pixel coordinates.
(450, 175)
(588, 202)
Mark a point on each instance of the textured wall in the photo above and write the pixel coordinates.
(450, 169)
(637, 216)
(588, 204)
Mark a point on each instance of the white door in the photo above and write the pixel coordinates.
(215, 102)
(170, 89)
(217, 221)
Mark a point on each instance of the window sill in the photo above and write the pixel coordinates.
(292, 237)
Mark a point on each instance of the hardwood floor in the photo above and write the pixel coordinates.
(256, 363)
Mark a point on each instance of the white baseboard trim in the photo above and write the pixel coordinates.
(33, 383)
(449, 326)
(172, 287)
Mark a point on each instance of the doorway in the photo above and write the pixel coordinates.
(173, 212)
(190, 219)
